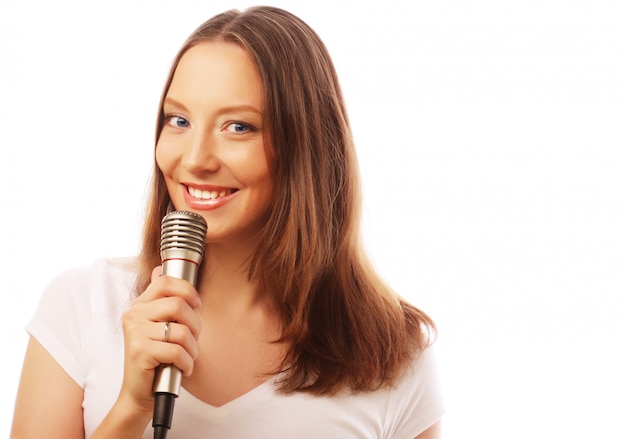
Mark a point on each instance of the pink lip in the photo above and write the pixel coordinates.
(199, 204)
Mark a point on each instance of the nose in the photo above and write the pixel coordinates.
(201, 154)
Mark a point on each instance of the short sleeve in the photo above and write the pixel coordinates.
(59, 322)
(416, 402)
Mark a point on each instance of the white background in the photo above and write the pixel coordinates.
(492, 141)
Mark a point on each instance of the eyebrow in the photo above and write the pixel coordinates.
(173, 102)
(234, 108)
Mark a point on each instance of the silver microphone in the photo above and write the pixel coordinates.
(182, 247)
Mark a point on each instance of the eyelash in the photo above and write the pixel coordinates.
(171, 119)
(249, 128)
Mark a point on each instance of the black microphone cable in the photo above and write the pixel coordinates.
(163, 414)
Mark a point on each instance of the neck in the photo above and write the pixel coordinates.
(231, 301)
(224, 283)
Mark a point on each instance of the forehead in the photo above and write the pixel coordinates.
(217, 71)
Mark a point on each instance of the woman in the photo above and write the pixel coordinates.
(289, 332)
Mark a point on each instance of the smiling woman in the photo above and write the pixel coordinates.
(490, 137)
(289, 331)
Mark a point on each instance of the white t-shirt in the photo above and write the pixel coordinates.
(78, 321)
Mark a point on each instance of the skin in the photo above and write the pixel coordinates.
(213, 141)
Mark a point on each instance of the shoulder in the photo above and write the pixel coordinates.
(110, 268)
(422, 367)
(96, 286)
(101, 273)
(421, 377)
(416, 398)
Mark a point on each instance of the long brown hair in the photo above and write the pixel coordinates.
(345, 327)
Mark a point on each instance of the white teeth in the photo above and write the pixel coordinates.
(207, 195)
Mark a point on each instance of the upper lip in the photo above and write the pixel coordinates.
(208, 187)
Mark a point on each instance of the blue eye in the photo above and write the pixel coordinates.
(177, 122)
(238, 128)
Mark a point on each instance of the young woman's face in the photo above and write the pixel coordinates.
(211, 148)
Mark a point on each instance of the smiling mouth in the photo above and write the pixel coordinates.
(209, 195)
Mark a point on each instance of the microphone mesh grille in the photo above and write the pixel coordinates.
(184, 231)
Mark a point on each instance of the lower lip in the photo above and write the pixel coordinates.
(200, 204)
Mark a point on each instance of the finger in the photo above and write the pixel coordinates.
(172, 332)
(167, 286)
(165, 309)
(154, 353)
(156, 272)
(178, 356)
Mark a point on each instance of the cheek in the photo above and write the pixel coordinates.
(265, 185)
(260, 174)
(163, 161)
(247, 163)
(262, 180)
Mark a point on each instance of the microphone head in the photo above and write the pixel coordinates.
(182, 236)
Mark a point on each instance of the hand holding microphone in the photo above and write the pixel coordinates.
(182, 248)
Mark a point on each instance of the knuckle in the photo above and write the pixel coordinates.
(168, 283)
(178, 305)
(180, 356)
(129, 321)
(135, 348)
